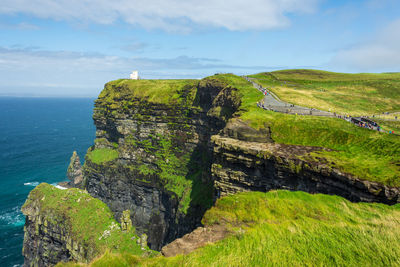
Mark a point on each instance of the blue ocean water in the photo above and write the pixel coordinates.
(37, 137)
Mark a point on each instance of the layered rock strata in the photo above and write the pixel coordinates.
(252, 166)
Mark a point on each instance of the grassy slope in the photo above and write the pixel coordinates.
(154, 91)
(284, 228)
(354, 94)
(102, 155)
(85, 218)
(367, 154)
(389, 125)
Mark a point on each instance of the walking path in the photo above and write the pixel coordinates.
(272, 102)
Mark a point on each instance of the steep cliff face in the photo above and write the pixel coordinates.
(152, 153)
(253, 166)
(70, 225)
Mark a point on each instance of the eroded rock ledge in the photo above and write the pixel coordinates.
(251, 166)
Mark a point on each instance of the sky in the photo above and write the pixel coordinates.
(73, 47)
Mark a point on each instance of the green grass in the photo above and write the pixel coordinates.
(282, 228)
(354, 94)
(370, 155)
(102, 155)
(108, 259)
(154, 91)
(84, 218)
(389, 125)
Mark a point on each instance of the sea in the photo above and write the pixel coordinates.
(37, 138)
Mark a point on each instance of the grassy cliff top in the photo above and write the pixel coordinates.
(321, 75)
(343, 93)
(367, 154)
(282, 228)
(83, 217)
(154, 91)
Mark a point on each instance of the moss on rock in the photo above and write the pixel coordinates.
(82, 225)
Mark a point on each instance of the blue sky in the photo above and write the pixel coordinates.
(73, 47)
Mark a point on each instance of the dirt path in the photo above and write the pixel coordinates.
(272, 102)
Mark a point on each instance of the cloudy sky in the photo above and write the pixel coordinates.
(72, 47)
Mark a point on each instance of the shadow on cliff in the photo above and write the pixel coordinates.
(218, 103)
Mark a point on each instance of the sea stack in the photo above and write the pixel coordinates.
(74, 171)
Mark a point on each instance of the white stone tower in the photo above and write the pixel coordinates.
(134, 75)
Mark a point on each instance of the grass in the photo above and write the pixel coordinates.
(84, 218)
(389, 125)
(282, 228)
(154, 91)
(370, 155)
(108, 259)
(354, 94)
(102, 155)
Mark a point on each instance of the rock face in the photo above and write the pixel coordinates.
(48, 236)
(163, 155)
(74, 172)
(71, 225)
(46, 244)
(251, 166)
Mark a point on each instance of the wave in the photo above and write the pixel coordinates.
(12, 217)
(32, 184)
(59, 186)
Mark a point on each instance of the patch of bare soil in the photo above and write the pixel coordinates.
(200, 237)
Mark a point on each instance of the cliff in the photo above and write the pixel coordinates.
(152, 153)
(165, 150)
(70, 225)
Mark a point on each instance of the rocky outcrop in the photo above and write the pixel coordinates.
(74, 172)
(70, 225)
(163, 155)
(252, 166)
(200, 237)
(46, 244)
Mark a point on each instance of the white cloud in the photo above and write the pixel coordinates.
(18, 26)
(171, 15)
(380, 53)
(73, 73)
